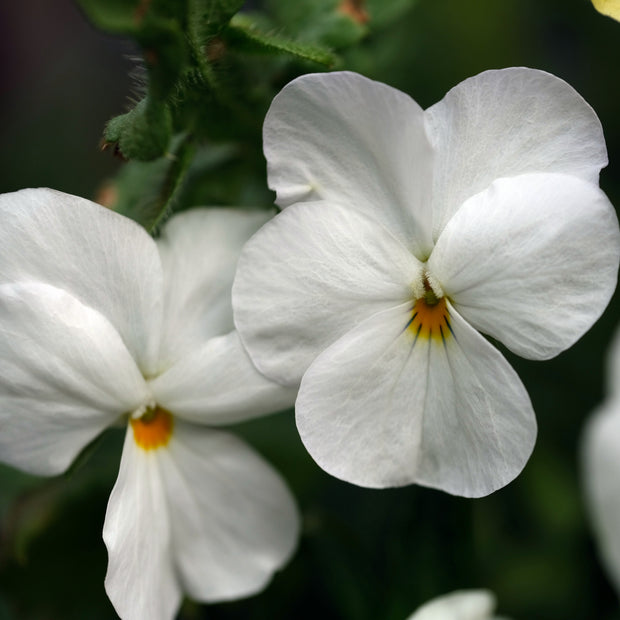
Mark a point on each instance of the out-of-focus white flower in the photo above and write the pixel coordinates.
(460, 605)
(99, 323)
(611, 8)
(601, 468)
(404, 234)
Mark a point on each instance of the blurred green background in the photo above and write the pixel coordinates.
(364, 554)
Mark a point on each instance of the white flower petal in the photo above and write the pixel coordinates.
(199, 251)
(65, 374)
(459, 605)
(509, 122)
(218, 384)
(532, 261)
(381, 408)
(141, 580)
(347, 139)
(307, 277)
(233, 520)
(103, 259)
(601, 476)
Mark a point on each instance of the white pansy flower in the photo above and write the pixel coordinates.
(407, 232)
(459, 605)
(98, 323)
(601, 469)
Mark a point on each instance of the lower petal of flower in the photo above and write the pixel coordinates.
(233, 520)
(380, 408)
(141, 579)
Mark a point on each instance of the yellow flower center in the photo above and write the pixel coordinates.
(153, 429)
(430, 318)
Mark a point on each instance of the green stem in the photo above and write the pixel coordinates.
(173, 182)
(196, 45)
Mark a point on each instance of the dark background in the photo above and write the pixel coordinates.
(363, 554)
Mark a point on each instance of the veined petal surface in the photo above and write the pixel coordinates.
(504, 123)
(308, 276)
(218, 384)
(199, 250)
(382, 407)
(459, 605)
(141, 580)
(65, 375)
(532, 261)
(234, 522)
(101, 258)
(346, 139)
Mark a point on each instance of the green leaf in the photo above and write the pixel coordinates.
(336, 23)
(214, 14)
(118, 16)
(244, 35)
(143, 133)
(321, 21)
(382, 13)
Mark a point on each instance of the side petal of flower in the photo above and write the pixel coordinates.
(234, 522)
(218, 384)
(307, 277)
(459, 605)
(386, 407)
(141, 580)
(347, 139)
(103, 259)
(199, 251)
(532, 261)
(65, 375)
(509, 122)
(601, 473)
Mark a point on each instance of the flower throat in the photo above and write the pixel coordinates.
(430, 317)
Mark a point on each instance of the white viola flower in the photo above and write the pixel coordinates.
(404, 234)
(459, 605)
(98, 323)
(601, 469)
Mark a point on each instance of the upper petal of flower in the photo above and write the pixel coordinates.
(387, 406)
(65, 374)
(199, 251)
(101, 258)
(346, 139)
(141, 580)
(459, 605)
(504, 123)
(532, 261)
(234, 522)
(218, 384)
(308, 276)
